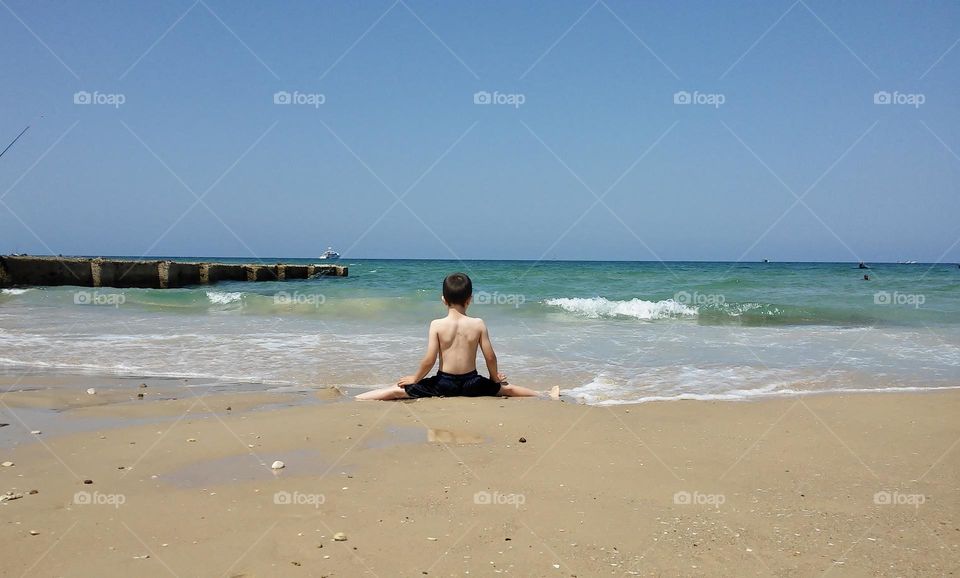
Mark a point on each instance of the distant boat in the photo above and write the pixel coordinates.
(330, 254)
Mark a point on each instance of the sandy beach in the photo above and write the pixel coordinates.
(181, 483)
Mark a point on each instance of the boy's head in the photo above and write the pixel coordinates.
(457, 289)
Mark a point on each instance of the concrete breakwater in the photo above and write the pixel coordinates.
(22, 270)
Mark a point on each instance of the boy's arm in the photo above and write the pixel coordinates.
(428, 361)
(489, 355)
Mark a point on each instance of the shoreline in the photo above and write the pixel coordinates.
(446, 486)
(16, 379)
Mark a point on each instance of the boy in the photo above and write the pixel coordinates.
(455, 338)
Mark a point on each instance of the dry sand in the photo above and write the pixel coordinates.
(788, 487)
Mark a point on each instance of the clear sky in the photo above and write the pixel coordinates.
(182, 106)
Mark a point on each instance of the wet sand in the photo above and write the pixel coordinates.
(856, 485)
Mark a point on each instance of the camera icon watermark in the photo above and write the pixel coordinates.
(495, 298)
(714, 99)
(695, 498)
(910, 99)
(283, 498)
(298, 298)
(884, 498)
(515, 100)
(484, 498)
(98, 298)
(99, 499)
(916, 300)
(314, 99)
(114, 99)
(697, 298)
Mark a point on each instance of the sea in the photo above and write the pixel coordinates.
(605, 332)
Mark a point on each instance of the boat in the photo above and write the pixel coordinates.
(330, 254)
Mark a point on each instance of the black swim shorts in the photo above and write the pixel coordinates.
(449, 385)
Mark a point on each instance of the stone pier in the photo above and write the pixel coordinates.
(23, 270)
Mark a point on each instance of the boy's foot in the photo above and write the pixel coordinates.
(555, 393)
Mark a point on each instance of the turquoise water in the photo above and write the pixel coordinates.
(607, 332)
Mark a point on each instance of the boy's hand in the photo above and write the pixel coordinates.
(408, 380)
(501, 378)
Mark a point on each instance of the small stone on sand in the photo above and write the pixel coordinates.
(523, 440)
(34, 533)
(191, 440)
(278, 465)
(88, 482)
(7, 464)
(340, 537)
(91, 391)
(36, 432)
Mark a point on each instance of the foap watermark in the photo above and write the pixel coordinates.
(484, 498)
(99, 499)
(697, 298)
(495, 298)
(914, 99)
(515, 100)
(98, 298)
(885, 498)
(314, 99)
(685, 498)
(114, 99)
(299, 499)
(714, 99)
(916, 300)
(298, 298)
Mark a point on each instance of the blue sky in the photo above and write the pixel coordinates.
(587, 155)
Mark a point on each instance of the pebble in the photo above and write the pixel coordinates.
(9, 496)
(191, 439)
(34, 533)
(143, 385)
(278, 465)
(340, 537)
(7, 464)
(36, 432)
(91, 391)
(523, 440)
(139, 396)
(88, 482)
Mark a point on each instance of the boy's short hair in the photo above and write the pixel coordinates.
(457, 288)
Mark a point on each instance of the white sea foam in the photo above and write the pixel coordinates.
(598, 307)
(224, 297)
(602, 392)
(14, 291)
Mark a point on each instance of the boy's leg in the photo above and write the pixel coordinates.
(518, 391)
(384, 394)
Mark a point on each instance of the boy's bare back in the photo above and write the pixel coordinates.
(457, 337)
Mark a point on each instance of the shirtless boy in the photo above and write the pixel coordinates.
(455, 339)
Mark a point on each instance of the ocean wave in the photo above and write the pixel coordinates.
(224, 297)
(599, 307)
(601, 392)
(14, 291)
